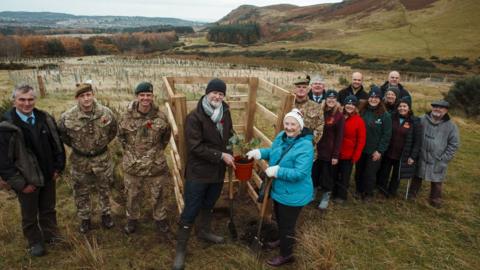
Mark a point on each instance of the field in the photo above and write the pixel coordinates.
(384, 234)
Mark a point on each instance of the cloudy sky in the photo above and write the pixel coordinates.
(207, 10)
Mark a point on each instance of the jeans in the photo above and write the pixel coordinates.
(197, 196)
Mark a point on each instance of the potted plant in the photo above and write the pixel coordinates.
(244, 166)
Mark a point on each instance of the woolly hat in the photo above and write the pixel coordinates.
(351, 99)
(317, 79)
(297, 115)
(216, 85)
(394, 89)
(82, 88)
(406, 99)
(144, 87)
(331, 94)
(375, 92)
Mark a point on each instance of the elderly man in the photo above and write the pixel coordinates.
(32, 158)
(207, 131)
(144, 132)
(394, 80)
(354, 89)
(88, 127)
(440, 141)
(317, 89)
(312, 111)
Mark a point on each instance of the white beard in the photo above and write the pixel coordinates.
(215, 104)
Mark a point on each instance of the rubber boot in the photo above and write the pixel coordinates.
(323, 205)
(436, 194)
(183, 234)
(203, 227)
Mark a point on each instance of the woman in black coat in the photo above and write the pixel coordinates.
(401, 156)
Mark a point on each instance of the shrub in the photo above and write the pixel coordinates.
(465, 95)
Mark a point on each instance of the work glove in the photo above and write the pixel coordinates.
(255, 154)
(272, 171)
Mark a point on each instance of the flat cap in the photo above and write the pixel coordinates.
(441, 103)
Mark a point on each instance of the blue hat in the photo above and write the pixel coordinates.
(331, 93)
(351, 99)
(375, 92)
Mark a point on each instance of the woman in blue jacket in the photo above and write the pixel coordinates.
(290, 164)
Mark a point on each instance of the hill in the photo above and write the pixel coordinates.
(375, 28)
(62, 20)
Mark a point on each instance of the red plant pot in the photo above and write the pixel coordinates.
(244, 167)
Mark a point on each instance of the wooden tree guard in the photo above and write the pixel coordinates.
(41, 86)
(177, 110)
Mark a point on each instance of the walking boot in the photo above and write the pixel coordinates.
(414, 188)
(203, 227)
(131, 226)
(436, 194)
(323, 205)
(183, 234)
(107, 222)
(85, 226)
(37, 250)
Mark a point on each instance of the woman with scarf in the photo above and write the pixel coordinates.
(290, 161)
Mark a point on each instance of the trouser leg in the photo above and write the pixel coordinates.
(316, 173)
(47, 215)
(359, 172)
(326, 175)
(103, 170)
(414, 187)
(157, 202)
(82, 187)
(395, 179)
(342, 179)
(370, 176)
(135, 195)
(384, 174)
(29, 210)
(286, 218)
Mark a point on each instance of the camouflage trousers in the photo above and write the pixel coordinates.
(90, 174)
(136, 188)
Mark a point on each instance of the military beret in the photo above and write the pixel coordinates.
(144, 87)
(300, 81)
(82, 88)
(440, 103)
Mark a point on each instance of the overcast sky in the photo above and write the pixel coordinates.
(207, 10)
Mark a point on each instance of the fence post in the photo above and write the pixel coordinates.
(41, 86)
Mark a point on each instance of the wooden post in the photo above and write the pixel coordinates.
(251, 107)
(286, 106)
(180, 105)
(41, 86)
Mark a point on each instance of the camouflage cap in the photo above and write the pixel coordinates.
(82, 88)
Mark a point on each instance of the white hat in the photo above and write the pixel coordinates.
(297, 115)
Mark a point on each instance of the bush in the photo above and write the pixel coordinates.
(465, 95)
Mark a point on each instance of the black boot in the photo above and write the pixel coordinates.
(415, 186)
(107, 222)
(131, 226)
(85, 226)
(183, 234)
(203, 227)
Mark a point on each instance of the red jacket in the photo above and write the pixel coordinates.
(354, 135)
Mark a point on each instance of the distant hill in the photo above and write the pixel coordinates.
(386, 28)
(62, 20)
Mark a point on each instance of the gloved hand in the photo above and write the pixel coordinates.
(255, 154)
(272, 171)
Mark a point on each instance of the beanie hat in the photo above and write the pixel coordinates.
(406, 99)
(331, 93)
(144, 87)
(297, 115)
(375, 92)
(394, 89)
(82, 88)
(216, 85)
(351, 99)
(317, 79)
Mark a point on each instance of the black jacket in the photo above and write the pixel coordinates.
(345, 92)
(30, 154)
(411, 149)
(205, 145)
(310, 96)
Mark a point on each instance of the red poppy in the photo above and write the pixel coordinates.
(221, 121)
(149, 124)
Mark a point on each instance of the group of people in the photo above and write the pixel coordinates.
(323, 138)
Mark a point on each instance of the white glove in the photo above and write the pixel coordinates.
(255, 154)
(272, 171)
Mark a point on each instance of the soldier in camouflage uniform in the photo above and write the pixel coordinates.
(88, 128)
(144, 132)
(312, 111)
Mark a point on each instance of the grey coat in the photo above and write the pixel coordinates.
(440, 141)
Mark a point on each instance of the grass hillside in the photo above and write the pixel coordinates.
(372, 28)
(384, 234)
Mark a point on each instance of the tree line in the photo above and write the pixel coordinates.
(243, 34)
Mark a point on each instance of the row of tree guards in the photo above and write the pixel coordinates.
(247, 106)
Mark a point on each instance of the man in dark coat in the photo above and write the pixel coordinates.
(317, 89)
(394, 80)
(32, 158)
(354, 89)
(207, 131)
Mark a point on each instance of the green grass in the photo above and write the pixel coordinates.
(393, 234)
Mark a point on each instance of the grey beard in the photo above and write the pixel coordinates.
(215, 104)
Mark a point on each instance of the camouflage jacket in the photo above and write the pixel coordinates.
(312, 117)
(88, 133)
(144, 138)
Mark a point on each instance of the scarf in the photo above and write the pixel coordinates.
(215, 114)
